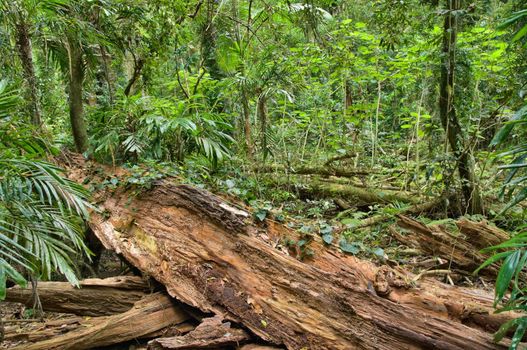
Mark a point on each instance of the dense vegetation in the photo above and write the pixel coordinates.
(247, 97)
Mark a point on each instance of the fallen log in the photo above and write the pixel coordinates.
(209, 255)
(358, 196)
(149, 315)
(212, 333)
(460, 249)
(324, 171)
(95, 297)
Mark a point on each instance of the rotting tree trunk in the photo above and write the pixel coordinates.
(356, 196)
(25, 52)
(323, 170)
(448, 115)
(76, 78)
(96, 297)
(460, 250)
(209, 255)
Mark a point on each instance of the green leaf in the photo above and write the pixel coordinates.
(327, 238)
(505, 275)
(518, 335)
(349, 247)
(498, 336)
(3, 280)
(379, 252)
(261, 214)
(520, 196)
(492, 260)
(504, 132)
(520, 34)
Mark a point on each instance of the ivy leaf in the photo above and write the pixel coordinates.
(351, 248)
(261, 214)
(327, 238)
(379, 252)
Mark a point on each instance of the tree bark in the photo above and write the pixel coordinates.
(209, 255)
(447, 111)
(25, 52)
(76, 78)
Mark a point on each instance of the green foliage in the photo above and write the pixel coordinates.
(41, 212)
(145, 127)
(512, 255)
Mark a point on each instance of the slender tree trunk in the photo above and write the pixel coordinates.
(138, 66)
(448, 114)
(262, 115)
(23, 43)
(247, 124)
(76, 77)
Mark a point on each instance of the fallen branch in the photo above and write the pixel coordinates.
(150, 314)
(324, 171)
(358, 196)
(96, 297)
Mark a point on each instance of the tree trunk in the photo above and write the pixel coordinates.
(449, 119)
(262, 115)
(247, 124)
(76, 78)
(209, 255)
(23, 43)
(138, 66)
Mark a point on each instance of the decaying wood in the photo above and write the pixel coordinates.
(460, 249)
(44, 331)
(150, 314)
(209, 255)
(357, 196)
(324, 171)
(258, 347)
(212, 333)
(95, 297)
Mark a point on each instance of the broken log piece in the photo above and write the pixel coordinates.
(44, 331)
(149, 315)
(117, 282)
(258, 347)
(481, 234)
(212, 333)
(436, 240)
(96, 297)
(211, 257)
